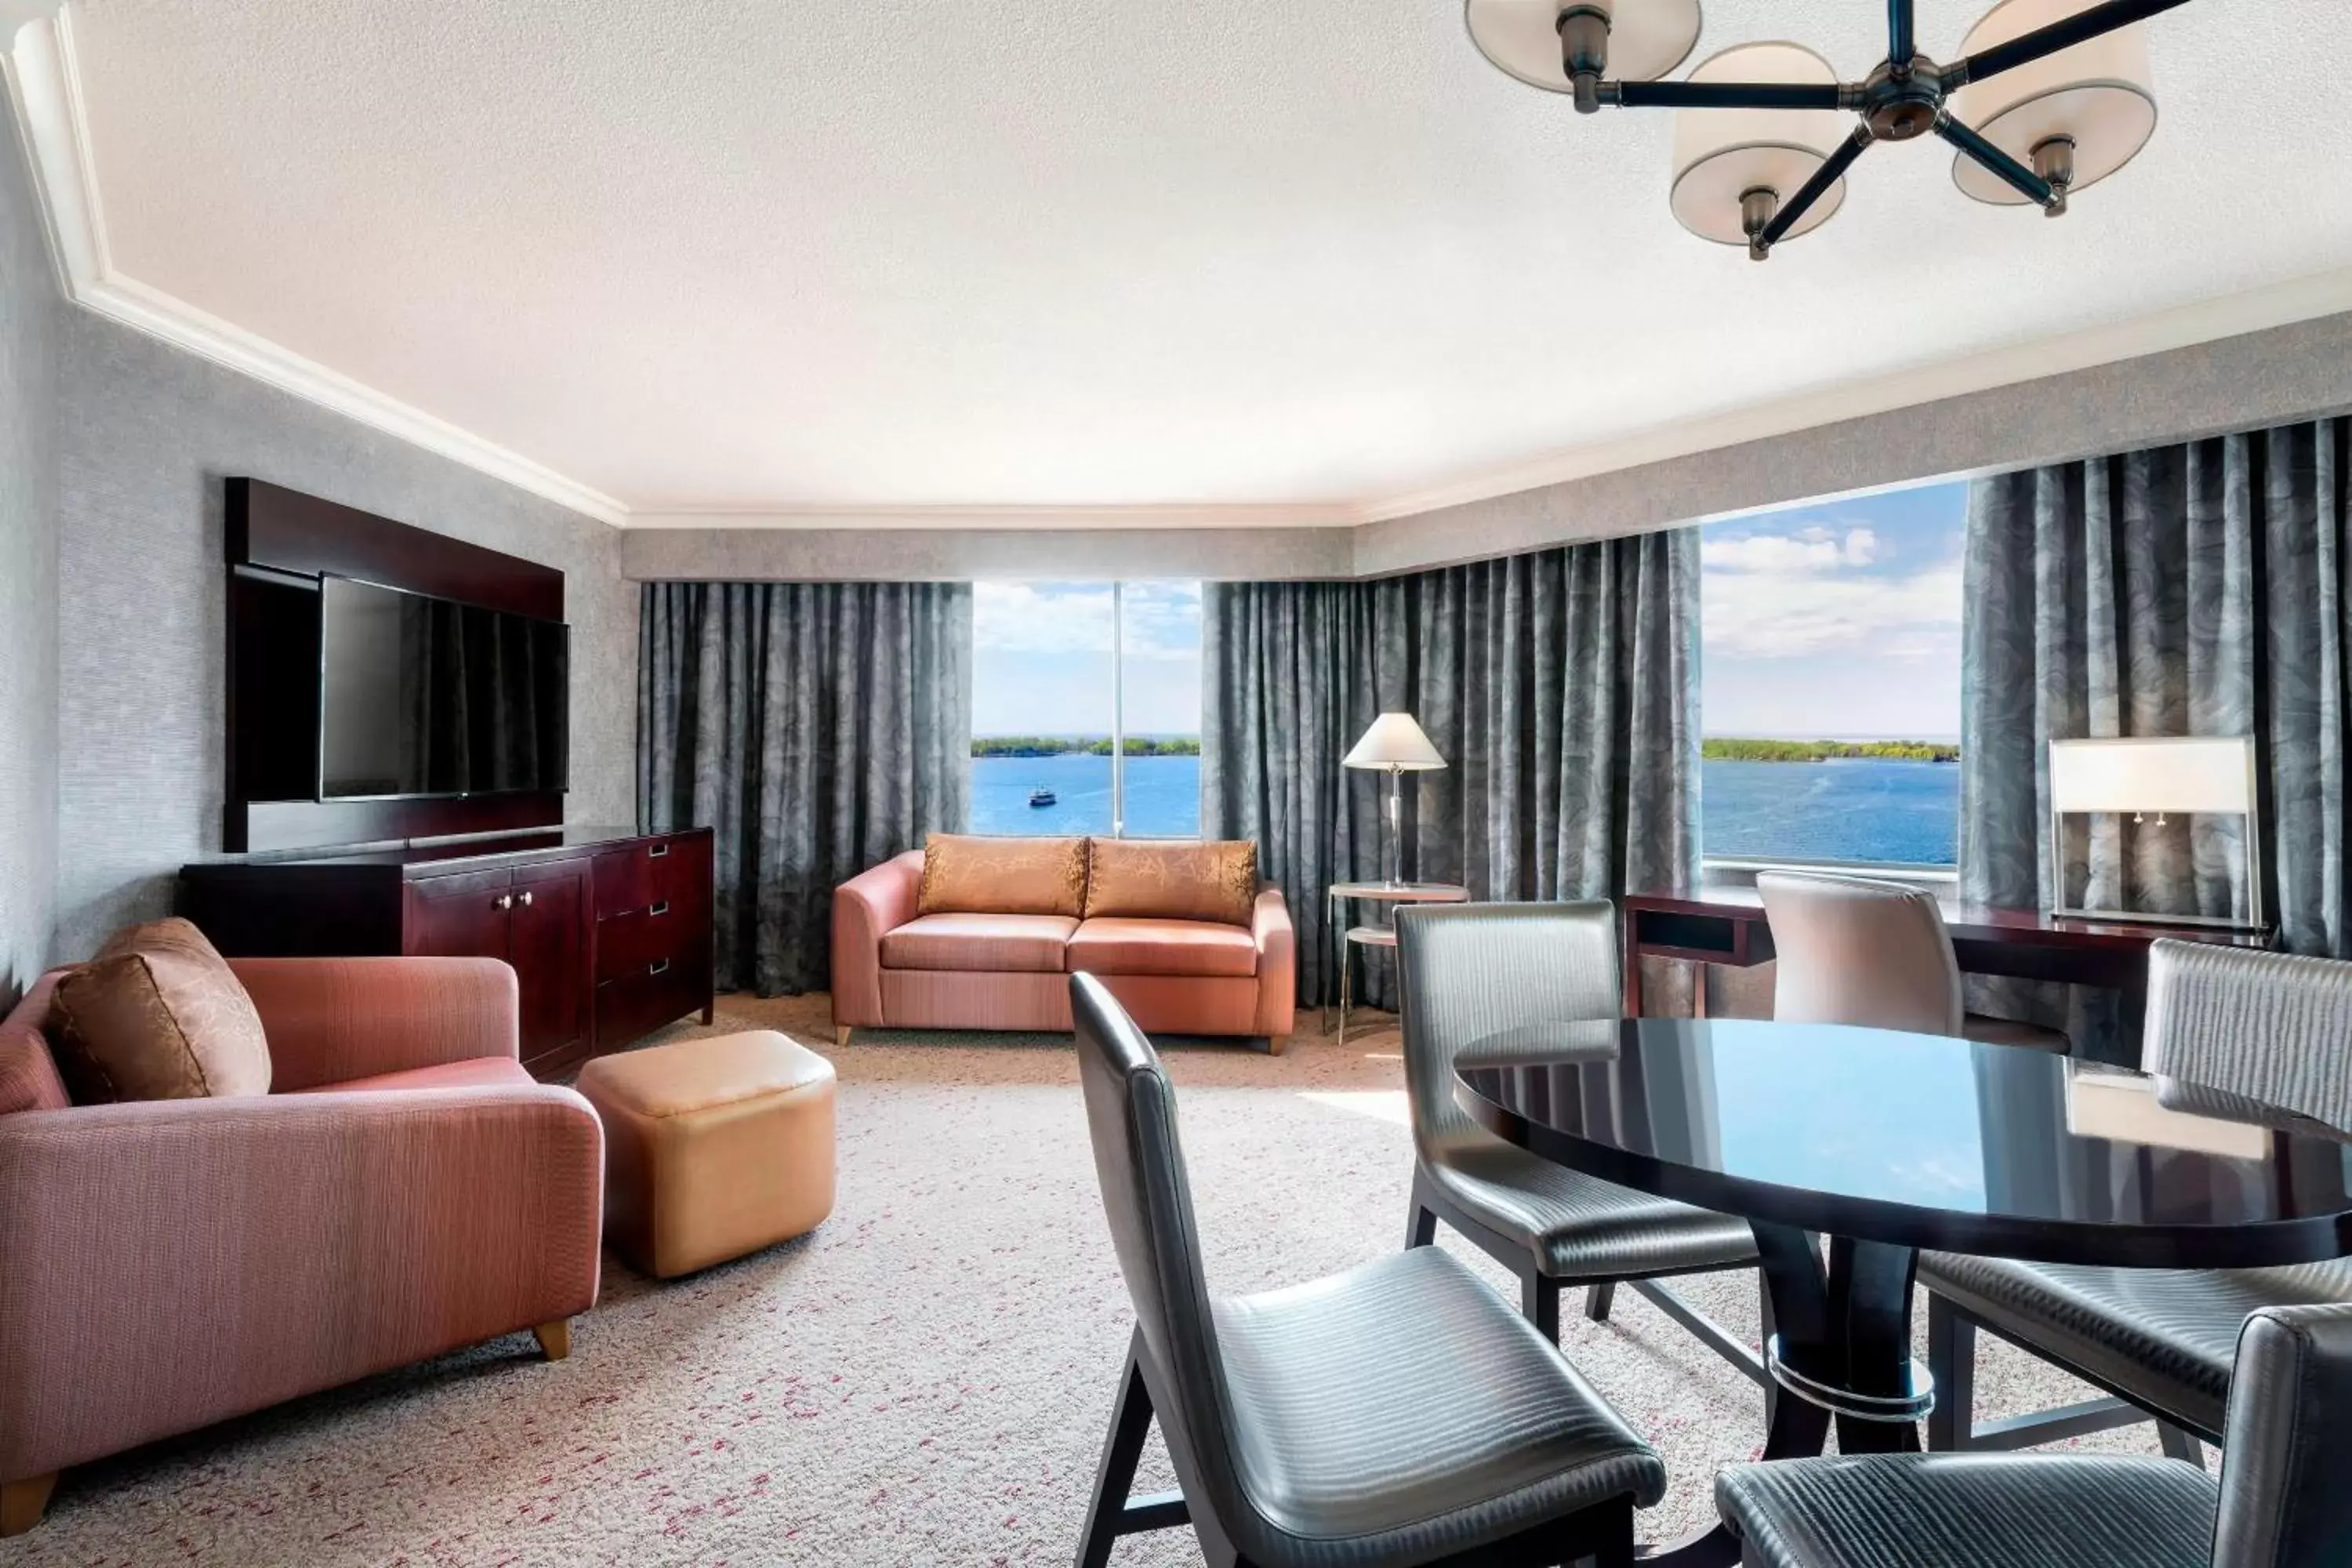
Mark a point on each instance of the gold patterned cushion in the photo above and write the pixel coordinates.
(969, 874)
(158, 1015)
(1206, 879)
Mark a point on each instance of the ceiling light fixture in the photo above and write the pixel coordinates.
(2048, 97)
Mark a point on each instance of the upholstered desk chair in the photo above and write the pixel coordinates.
(1468, 970)
(1874, 954)
(2281, 1501)
(1394, 1414)
(2266, 1026)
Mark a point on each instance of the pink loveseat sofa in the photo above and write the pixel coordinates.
(404, 1189)
(895, 965)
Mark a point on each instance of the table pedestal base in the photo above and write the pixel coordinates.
(1841, 1349)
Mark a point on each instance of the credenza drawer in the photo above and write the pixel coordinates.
(627, 944)
(657, 871)
(658, 992)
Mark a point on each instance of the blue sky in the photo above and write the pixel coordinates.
(1831, 620)
(1836, 620)
(1041, 658)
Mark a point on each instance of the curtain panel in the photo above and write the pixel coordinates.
(1561, 687)
(2189, 589)
(817, 728)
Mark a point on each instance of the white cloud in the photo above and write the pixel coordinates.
(1771, 613)
(1803, 549)
(1163, 620)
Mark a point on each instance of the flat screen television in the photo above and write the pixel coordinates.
(422, 696)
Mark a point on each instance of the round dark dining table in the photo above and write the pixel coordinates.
(1883, 1143)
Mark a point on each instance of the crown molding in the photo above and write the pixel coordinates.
(2206, 321)
(46, 81)
(1026, 518)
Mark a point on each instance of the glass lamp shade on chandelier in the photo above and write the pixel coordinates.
(2047, 98)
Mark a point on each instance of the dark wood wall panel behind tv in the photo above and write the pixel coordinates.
(272, 526)
(280, 542)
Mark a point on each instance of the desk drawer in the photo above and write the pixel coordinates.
(671, 870)
(660, 991)
(627, 944)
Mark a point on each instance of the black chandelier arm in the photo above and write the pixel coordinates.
(1902, 35)
(2032, 186)
(2062, 34)
(1728, 95)
(1831, 170)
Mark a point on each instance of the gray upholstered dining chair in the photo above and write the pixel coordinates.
(1468, 970)
(1874, 954)
(1395, 1414)
(2281, 1501)
(2268, 1026)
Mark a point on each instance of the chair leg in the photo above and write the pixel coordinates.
(22, 1503)
(1764, 1330)
(554, 1339)
(2179, 1444)
(1539, 1304)
(1131, 1423)
(1599, 1299)
(1420, 1225)
(1614, 1548)
(1952, 1362)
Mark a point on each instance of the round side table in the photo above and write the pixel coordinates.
(1383, 935)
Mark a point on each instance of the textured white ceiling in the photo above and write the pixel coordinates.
(1074, 252)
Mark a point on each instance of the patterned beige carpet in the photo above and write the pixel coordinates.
(924, 1381)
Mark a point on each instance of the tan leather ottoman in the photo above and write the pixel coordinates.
(712, 1148)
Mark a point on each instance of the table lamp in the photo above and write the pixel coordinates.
(1397, 745)
(2185, 774)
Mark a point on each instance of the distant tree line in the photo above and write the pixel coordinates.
(1739, 751)
(1083, 745)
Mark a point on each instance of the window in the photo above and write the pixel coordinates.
(1087, 709)
(1831, 680)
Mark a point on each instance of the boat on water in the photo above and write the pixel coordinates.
(1043, 797)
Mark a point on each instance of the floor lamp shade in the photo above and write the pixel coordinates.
(1396, 746)
(1394, 742)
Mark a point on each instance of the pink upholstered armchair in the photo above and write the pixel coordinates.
(405, 1189)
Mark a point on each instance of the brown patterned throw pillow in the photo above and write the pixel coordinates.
(158, 1015)
(1209, 879)
(969, 874)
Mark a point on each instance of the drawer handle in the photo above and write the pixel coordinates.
(659, 911)
(657, 966)
(523, 899)
(655, 851)
(503, 902)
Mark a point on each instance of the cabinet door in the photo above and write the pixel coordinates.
(549, 953)
(460, 915)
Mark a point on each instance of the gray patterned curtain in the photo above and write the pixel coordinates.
(2190, 590)
(818, 728)
(1561, 687)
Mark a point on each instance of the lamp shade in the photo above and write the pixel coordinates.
(2185, 774)
(1396, 742)
(2100, 94)
(1721, 155)
(1647, 38)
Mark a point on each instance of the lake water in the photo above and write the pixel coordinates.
(1859, 809)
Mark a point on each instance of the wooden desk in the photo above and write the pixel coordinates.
(1727, 926)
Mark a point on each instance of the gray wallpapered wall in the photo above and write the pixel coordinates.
(148, 435)
(30, 309)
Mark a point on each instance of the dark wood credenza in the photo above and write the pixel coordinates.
(608, 929)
